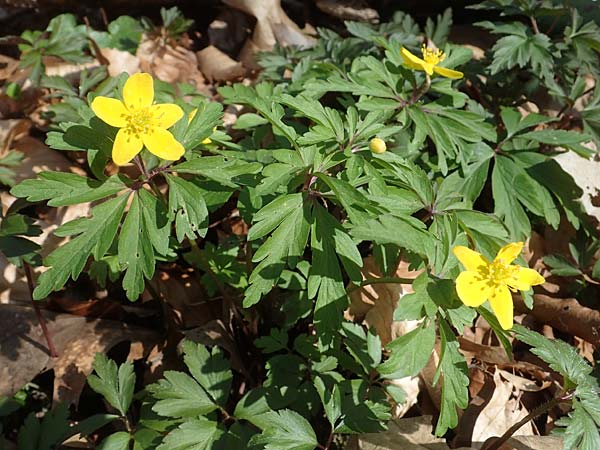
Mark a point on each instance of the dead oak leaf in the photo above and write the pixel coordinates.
(23, 352)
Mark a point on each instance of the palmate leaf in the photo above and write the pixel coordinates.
(96, 235)
(55, 428)
(583, 423)
(210, 369)
(145, 230)
(520, 48)
(187, 207)
(449, 129)
(62, 189)
(325, 279)
(409, 353)
(288, 218)
(286, 430)
(455, 380)
(114, 384)
(261, 98)
(195, 434)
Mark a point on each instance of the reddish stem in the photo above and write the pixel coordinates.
(38, 313)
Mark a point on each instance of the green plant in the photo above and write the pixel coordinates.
(461, 166)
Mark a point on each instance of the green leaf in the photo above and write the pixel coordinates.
(188, 208)
(95, 237)
(365, 347)
(195, 434)
(583, 422)
(145, 229)
(285, 245)
(331, 399)
(455, 380)
(179, 395)
(562, 138)
(286, 430)
(218, 168)
(409, 353)
(210, 369)
(116, 441)
(201, 126)
(560, 266)
(116, 385)
(520, 48)
(62, 188)
(506, 205)
(407, 233)
(277, 340)
(325, 280)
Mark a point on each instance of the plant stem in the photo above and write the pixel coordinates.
(544, 407)
(38, 313)
(534, 25)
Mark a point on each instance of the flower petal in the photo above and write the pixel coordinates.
(470, 259)
(412, 61)
(125, 148)
(502, 305)
(161, 143)
(448, 73)
(472, 289)
(166, 114)
(524, 278)
(110, 110)
(509, 252)
(138, 91)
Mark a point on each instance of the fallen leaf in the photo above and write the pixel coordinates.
(170, 64)
(273, 26)
(23, 352)
(357, 10)
(217, 66)
(375, 303)
(415, 433)
(120, 61)
(491, 415)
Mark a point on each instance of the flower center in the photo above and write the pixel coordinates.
(139, 121)
(497, 272)
(432, 56)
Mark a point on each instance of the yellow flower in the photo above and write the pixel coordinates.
(429, 63)
(141, 123)
(483, 280)
(377, 145)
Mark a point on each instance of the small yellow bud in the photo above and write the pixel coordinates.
(377, 145)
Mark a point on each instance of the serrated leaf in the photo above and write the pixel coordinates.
(116, 385)
(286, 430)
(210, 369)
(455, 380)
(188, 208)
(195, 434)
(97, 235)
(409, 353)
(331, 399)
(116, 441)
(63, 189)
(562, 138)
(285, 245)
(145, 229)
(179, 395)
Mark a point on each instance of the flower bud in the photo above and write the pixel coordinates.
(377, 145)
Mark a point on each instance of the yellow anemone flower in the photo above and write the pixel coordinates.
(141, 123)
(483, 280)
(190, 117)
(429, 62)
